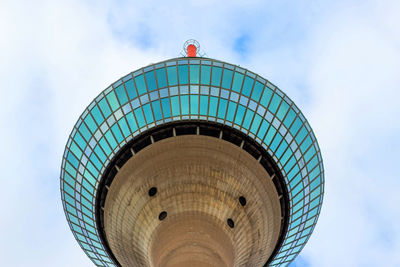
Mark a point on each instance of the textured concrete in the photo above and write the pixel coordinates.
(199, 180)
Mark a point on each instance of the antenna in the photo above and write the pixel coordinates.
(191, 48)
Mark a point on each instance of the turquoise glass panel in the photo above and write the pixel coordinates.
(97, 115)
(183, 74)
(185, 104)
(306, 143)
(93, 158)
(203, 105)
(263, 129)
(74, 148)
(222, 108)
(273, 106)
(68, 189)
(161, 78)
(88, 186)
(194, 104)
(140, 84)
(257, 91)
(110, 139)
(85, 131)
(90, 123)
(124, 127)
(289, 118)
(151, 80)
(100, 153)
(237, 82)
(172, 76)
(148, 113)
(69, 179)
(70, 169)
(248, 118)
(139, 117)
(117, 133)
(130, 89)
(266, 97)
(123, 98)
(247, 86)
(301, 135)
(283, 109)
(270, 135)
(256, 124)
(295, 126)
(132, 122)
(166, 107)
(112, 99)
(205, 74)
(310, 153)
(240, 114)
(92, 169)
(213, 106)
(80, 141)
(104, 108)
(157, 110)
(231, 111)
(175, 106)
(216, 76)
(227, 79)
(281, 149)
(194, 74)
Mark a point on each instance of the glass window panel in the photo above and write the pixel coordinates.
(295, 126)
(140, 84)
(131, 122)
(248, 118)
(289, 118)
(203, 104)
(110, 139)
(239, 114)
(205, 74)
(117, 133)
(97, 115)
(194, 74)
(270, 135)
(124, 127)
(216, 76)
(283, 109)
(139, 117)
(165, 107)
(69, 179)
(148, 113)
(309, 154)
(104, 107)
(120, 90)
(185, 104)
(183, 74)
(95, 161)
(231, 111)
(258, 88)
(172, 75)
(301, 135)
(266, 96)
(68, 189)
(151, 80)
(276, 100)
(175, 106)
(213, 106)
(84, 131)
(194, 104)
(161, 77)
(90, 123)
(157, 110)
(227, 79)
(222, 108)
(237, 82)
(74, 148)
(112, 99)
(256, 123)
(247, 86)
(100, 153)
(130, 89)
(70, 169)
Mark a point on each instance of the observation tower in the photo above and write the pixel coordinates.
(192, 162)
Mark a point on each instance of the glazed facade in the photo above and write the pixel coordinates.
(192, 89)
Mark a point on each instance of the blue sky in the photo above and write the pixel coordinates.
(338, 60)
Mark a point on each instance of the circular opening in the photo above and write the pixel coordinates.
(230, 223)
(162, 215)
(242, 201)
(153, 191)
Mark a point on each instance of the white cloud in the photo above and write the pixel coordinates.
(338, 61)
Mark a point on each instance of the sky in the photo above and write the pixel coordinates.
(339, 61)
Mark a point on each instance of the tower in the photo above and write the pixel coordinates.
(192, 162)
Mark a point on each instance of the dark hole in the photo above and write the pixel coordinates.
(152, 191)
(162, 215)
(230, 223)
(242, 201)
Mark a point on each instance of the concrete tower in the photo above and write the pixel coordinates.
(192, 162)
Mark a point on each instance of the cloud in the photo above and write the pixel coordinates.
(338, 61)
